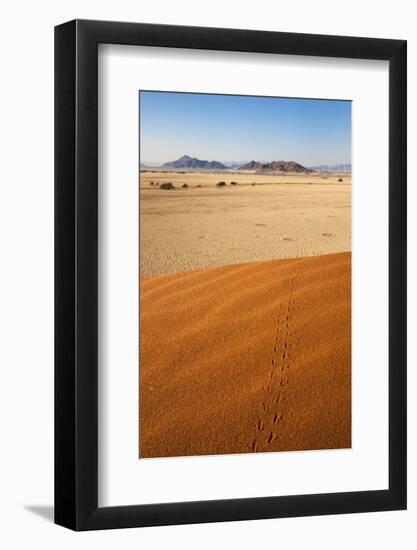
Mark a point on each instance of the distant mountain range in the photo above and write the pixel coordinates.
(252, 165)
(194, 164)
(276, 166)
(332, 168)
(283, 166)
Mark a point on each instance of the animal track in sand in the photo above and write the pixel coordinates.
(272, 409)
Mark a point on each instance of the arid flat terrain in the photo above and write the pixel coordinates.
(250, 357)
(244, 313)
(262, 217)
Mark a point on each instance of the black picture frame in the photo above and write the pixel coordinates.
(76, 273)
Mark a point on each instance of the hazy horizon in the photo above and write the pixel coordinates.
(209, 127)
(236, 162)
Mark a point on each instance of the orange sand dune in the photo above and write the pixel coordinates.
(244, 358)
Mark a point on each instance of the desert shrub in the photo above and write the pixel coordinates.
(233, 183)
(339, 180)
(221, 184)
(199, 186)
(167, 185)
(185, 186)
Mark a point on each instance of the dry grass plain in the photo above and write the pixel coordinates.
(278, 217)
(245, 314)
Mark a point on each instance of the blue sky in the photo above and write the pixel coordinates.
(237, 128)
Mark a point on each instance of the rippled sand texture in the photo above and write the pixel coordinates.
(243, 358)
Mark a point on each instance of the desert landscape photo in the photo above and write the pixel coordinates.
(245, 274)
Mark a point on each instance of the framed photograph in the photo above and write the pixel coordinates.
(230, 284)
